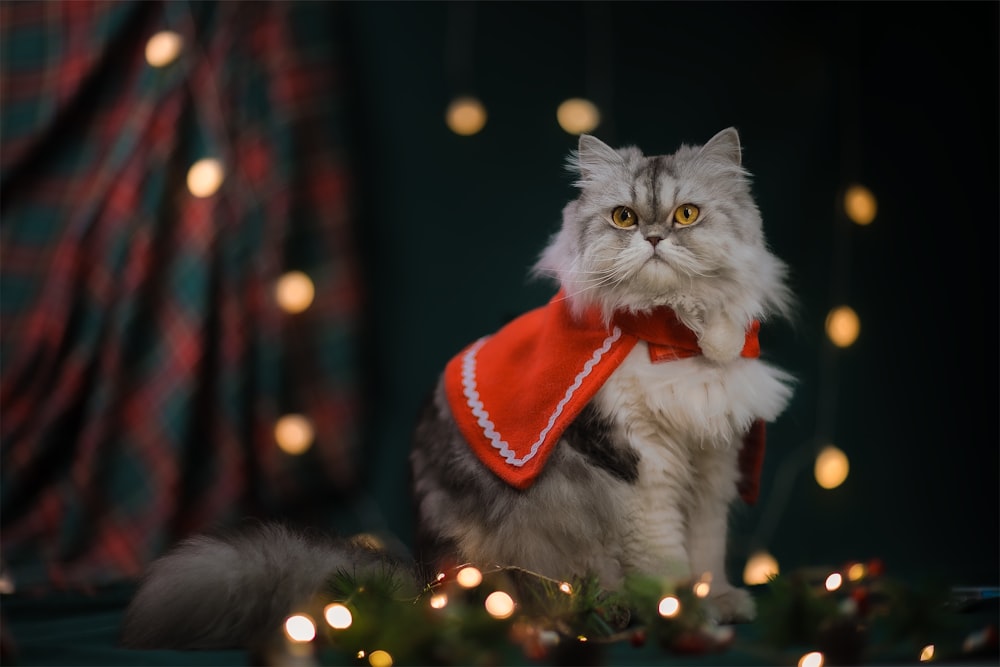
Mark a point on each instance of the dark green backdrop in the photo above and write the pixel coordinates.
(901, 97)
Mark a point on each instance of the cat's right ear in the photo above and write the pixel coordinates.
(593, 158)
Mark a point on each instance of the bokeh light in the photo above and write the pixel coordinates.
(927, 653)
(760, 568)
(439, 601)
(499, 604)
(465, 116)
(469, 577)
(843, 326)
(163, 48)
(338, 616)
(380, 659)
(813, 659)
(834, 581)
(577, 115)
(294, 434)
(860, 204)
(205, 177)
(831, 467)
(294, 292)
(669, 607)
(300, 628)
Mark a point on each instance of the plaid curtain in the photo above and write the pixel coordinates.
(144, 358)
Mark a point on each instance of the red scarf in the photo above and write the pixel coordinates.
(514, 393)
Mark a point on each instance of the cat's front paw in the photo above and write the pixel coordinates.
(731, 605)
(722, 340)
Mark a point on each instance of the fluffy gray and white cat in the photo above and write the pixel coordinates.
(643, 477)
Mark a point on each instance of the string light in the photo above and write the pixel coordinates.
(338, 616)
(760, 568)
(843, 326)
(577, 115)
(831, 467)
(439, 601)
(163, 48)
(856, 572)
(813, 659)
(566, 588)
(469, 577)
(294, 434)
(380, 659)
(499, 605)
(465, 116)
(300, 628)
(702, 589)
(294, 292)
(833, 582)
(927, 653)
(205, 177)
(669, 607)
(860, 204)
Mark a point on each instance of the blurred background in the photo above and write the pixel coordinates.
(240, 241)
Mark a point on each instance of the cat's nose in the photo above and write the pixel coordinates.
(654, 239)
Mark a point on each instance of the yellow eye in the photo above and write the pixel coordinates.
(686, 214)
(624, 217)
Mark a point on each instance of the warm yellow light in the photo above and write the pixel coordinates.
(843, 326)
(760, 568)
(856, 572)
(163, 48)
(702, 589)
(927, 653)
(294, 434)
(338, 616)
(469, 577)
(834, 581)
(294, 292)
(860, 204)
(814, 659)
(465, 116)
(300, 628)
(566, 588)
(205, 176)
(499, 604)
(380, 659)
(831, 467)
(669, 607)
(577, 115)
(439, 601)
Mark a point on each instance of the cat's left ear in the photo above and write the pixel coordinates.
(724, 146)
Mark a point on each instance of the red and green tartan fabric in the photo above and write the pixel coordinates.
(144, 360)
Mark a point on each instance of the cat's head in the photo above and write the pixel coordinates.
(680, 230)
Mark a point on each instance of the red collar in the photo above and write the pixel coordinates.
(515, 392)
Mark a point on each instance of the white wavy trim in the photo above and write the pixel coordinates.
(483, 417)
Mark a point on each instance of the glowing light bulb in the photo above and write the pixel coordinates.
(760, 568)
(831, 467)
(856, 572)
(669, 607)
(860, 204)
(499, 605)
(205, 176)
(465, 116)
(927, 653)
(163, 48)
(566, 588)
(843, 326)
(380, 659)
(439, 601)
(577, 115)
(294, 292)
(300, 628)
(814, 659)
(702, 589)
(338, 616)
(469, 577)
(294, 434)
(833, 582)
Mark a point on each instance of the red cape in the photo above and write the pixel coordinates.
(515, 392)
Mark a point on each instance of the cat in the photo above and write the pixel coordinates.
(598, 435)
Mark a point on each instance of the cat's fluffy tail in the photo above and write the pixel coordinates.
(234, 590)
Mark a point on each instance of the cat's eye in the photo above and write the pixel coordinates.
(624, 217)
(686, 214)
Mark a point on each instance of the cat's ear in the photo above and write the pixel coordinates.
(724, 146)
(593, 157)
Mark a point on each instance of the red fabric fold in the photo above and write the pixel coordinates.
(514, 393)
